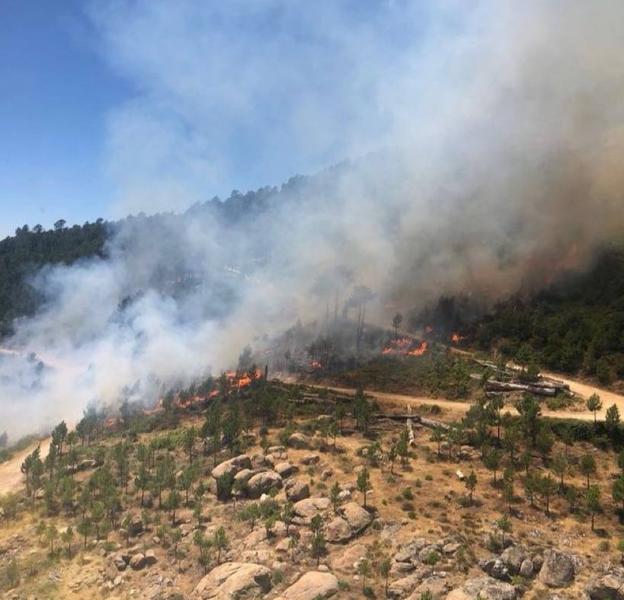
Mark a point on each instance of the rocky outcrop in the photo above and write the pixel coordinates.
(285, 469)
(310, 459)
(298, 440)
(312, 585)
(557, 570)
(404, 586)
(496, 568)
(232, 466)
(262, 483)
(608, 586)
(338, 531)
(513, 557)
(483, 588)
(297, 490)
(308, 508)
(357, 517)
(234, 581)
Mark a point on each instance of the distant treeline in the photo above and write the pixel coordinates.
(23, 254)
(32, 248)
(575, 325)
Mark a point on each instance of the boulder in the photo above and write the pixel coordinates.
(234, 581)
(357, 517)
(150, 558)
(137, 562)
(298, 440)
(557, 570)
(297, 490)
(87, 464)
(119, 561)
(608, 586)
(526, 568)
(495, 567)
(409, 552)
(310, 586)
(513, 557)
(338, 530)
(401, 588)
(483, 588)
(262, 483)
(285, 469)
(308, 508)
(348, 558)
(436, 587)
(243, 476)
(232, 466)
(135, 526)
(310, 459)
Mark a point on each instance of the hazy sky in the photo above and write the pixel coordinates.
(116, 106)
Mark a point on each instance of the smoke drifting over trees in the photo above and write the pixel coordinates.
(487, 147)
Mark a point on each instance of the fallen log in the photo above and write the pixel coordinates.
(503, 386)
(431, 423)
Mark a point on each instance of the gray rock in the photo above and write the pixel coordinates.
(232, 466)
(557, 570)
(285, 469)
(357, 517)
(409, 552)
(483, 588)
(496, 568)
(262, 483)
(338, 530)
(308, 508)
(526, 568)
(311, 585)
(244, 475)
(297, 490)
(137, 562)
(400, 588)
(513, 557)
(298, 440)
(609, 586)
(310, 459)
(233, 581)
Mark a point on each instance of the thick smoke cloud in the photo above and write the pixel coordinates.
(487, 140)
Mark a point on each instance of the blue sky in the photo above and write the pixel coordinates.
(55, 90)
(113, 106)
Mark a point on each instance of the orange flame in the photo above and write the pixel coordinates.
(456, 338)
(420, 350)
(403, 346)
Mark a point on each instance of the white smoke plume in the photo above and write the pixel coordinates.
(486, 138)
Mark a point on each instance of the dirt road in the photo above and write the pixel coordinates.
(10, 471)
(455, 407)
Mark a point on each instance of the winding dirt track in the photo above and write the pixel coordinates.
(10, 471)
(582, 389)
(11, 476)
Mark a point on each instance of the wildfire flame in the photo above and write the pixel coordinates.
(456, 338)
(404, 346)
(315, 364)
(241, 380)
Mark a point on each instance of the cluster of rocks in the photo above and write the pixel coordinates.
(555, 569)
(234, 580)
(260, 474)
(134, 559)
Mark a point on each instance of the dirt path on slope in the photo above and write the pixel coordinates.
(585, 390)
(11, 478)
(402, 401)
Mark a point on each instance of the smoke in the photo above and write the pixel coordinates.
(486, 141)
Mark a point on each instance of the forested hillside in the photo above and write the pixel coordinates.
(576, 325)
(30, 249)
